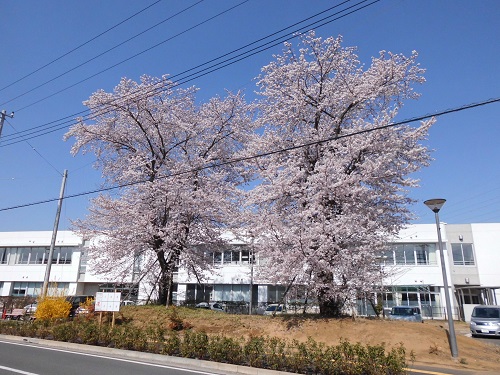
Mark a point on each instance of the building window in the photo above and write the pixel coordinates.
(231, 293)
(463, 254)
(4, 252)
(129, 291)
(275, 293)
(23, 255)
(25, 289)
(228, 256)
(411, 254)
(236, 254)
(83, 262)
(65, 255)
(217, 256)
(37, 255)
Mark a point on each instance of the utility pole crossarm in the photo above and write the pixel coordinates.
(4, 114)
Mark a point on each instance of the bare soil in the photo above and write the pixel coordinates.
(428, 340)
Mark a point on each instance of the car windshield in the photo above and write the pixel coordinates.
(407, 311)
(483, 312)
(273, 308)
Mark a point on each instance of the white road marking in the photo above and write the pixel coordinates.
(105, 357)
(17, 371)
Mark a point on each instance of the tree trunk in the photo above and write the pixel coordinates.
(331, 307)
(166, 280)
(162, 287)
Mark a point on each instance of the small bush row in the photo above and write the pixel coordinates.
(308, 357)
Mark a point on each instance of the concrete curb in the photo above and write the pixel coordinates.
(186, 363)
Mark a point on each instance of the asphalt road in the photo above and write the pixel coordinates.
(489, 340)
(32, 359)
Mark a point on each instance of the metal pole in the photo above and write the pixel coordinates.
(251, 278)
(451, 326)
(54, 235)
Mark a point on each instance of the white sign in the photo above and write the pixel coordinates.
(107, 301)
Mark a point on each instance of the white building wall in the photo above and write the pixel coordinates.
(40, 238)
(421, 274)
(487, 252)
(486, 239)
(59, 273)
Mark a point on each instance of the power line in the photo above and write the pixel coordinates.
(264, 154)
(92, 59)
(39, 154)
(60, 126)
(80, 46)
(214, 67)
(131, 57)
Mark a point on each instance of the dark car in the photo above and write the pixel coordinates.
(407, 313)
(76, 301)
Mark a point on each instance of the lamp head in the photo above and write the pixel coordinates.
(435, 204)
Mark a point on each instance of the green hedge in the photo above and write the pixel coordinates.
(309, 357)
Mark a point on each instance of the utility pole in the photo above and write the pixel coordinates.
(4, 114)
(54, 235)
(250, 259)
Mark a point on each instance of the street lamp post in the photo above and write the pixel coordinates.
(435, 205)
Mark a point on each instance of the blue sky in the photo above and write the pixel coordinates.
(457, 42)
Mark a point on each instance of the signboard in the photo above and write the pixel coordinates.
(107, 301)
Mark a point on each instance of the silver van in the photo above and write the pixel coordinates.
(485, 320)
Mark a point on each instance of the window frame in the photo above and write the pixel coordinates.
(459, 258)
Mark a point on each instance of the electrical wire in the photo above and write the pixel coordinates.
(38, 153)
(80, 46)
(264, 154)
(92, 59)
(212, 68)
(129, 58)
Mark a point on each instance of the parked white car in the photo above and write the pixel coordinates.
(31, 308)
(485, 320)
(275, 309)
(215, 306)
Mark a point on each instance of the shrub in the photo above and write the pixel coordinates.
(194, 345)
(225, 349)
(298, 361)
(50, 308)
(254, 351)
(308, 357)
(65, 332)
(89, 332)
(172, 344)
(130, 338)
(276, 353)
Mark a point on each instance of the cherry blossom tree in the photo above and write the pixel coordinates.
(156, 143)
(327, 205)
